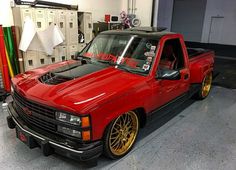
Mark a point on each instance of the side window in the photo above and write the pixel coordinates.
(172, 57)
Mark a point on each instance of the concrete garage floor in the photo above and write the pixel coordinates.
(202, 136)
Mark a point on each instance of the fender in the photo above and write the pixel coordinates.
(113, 109)
(207, 72)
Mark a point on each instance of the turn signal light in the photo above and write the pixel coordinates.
(85, 122)
(86, 135)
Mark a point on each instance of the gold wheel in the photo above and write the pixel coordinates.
(206, 85)
(123, 133)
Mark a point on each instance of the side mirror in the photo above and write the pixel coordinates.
(165, 74)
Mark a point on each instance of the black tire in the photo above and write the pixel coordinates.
(205, 87)
(108, 149)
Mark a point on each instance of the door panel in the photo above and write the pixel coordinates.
(166, 90)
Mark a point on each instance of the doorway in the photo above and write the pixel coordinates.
(215, 29)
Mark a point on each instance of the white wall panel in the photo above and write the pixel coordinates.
(144, 11)
(100, 8)
(6, 17)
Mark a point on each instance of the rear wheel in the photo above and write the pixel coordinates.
(121, 135)
(206, 86)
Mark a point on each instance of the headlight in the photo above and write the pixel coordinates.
(82, 122)
(69, 131)
(64, 117)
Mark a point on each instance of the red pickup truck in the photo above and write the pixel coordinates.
(97, 102)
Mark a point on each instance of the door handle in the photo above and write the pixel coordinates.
(186, 76)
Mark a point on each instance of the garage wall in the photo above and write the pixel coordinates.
(143, 10)
(100, 8)
(165, 11)
(219, 24)
(6, 18)
(188, 18)
(221, 15)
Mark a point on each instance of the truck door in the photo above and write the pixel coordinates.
(172, 58)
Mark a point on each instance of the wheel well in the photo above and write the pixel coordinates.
(142, 116)
(107, 146)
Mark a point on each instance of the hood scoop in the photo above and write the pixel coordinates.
(53, 79)
(69, 72)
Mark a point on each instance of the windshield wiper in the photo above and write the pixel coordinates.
(81, 57)
(106, 62)
(130, 70)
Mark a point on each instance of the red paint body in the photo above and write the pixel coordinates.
(110, 92)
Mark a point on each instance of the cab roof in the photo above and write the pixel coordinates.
(156, 32)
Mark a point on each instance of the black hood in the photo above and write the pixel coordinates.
(70, 72)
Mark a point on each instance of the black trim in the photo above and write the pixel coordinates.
(194, 88)
(11, 124)
(50, 142)
(47, 3)
(147, 29)
(165, 109)
(153, 35)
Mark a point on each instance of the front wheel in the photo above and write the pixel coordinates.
(121, 135)
(206, 86)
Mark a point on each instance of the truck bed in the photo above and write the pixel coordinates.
(200, 62)
(194, 52)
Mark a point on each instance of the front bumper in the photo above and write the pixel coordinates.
(48, 145)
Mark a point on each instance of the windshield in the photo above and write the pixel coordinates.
(130, 53)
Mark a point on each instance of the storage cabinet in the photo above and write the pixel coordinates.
(40, 19)
(70, 23)
(85, 20)
(67, 21)
(72, 27)
(71, 51)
